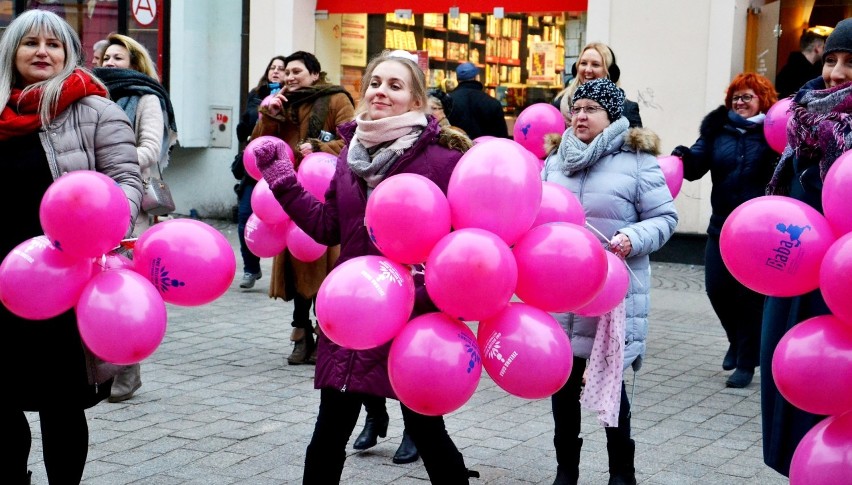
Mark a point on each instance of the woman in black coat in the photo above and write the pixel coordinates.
(733, 148)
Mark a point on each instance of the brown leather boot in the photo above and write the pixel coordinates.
(304, 345)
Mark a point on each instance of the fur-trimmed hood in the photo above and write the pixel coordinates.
(636, 139)
(454, 139)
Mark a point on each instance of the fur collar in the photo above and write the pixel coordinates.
(636, 139)
(454, 139)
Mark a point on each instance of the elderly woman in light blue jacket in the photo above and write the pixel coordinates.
(614, 172)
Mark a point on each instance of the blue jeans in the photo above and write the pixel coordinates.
(251, 262)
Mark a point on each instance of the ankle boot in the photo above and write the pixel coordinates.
(407, 451)
(374, 426)
(126, 383)
(568, 462)
(304, 345)
(621, 470)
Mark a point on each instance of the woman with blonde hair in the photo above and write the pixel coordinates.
(56, 118)
(129, 73)
(596, 60)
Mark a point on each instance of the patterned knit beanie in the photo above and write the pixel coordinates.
(606, 93)
(840, 39)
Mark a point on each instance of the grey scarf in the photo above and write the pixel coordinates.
(575, 155)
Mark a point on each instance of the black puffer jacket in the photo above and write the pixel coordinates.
(477, 113)
(740, 162)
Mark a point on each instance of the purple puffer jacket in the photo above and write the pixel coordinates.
(340, 220)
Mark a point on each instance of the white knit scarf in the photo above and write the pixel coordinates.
(576, 155)
(398, 133)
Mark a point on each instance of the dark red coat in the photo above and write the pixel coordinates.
(340, 220)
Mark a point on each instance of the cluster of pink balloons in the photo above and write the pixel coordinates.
(120, 304)
(269, 229)
(779, 246)
(499, 233)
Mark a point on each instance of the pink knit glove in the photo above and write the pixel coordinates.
(272, 161)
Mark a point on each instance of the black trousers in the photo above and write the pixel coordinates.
(338, 415)
(565, 404)
(65, 444)
(302, 312)
(739, 309)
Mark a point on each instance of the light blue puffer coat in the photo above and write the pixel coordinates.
(626, 192)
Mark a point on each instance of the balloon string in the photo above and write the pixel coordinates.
(635, 278)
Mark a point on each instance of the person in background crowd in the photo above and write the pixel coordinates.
(819, 131)
(305, 114)
(733, 148)
(440, 105)
(474, 111)
(802, 65)
(46, 366)
(613, 171)
(131, 77)
(269, 84)
(98, 52)
(391, 134)
(596, 60)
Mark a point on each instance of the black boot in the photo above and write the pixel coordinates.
(568, 462)
(407, 452)
(621, 470)
(374, 427)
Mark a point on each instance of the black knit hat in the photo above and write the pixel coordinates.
(605, 92)
(840, 39)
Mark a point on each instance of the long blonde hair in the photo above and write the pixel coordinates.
(140, 59)
(608, 60)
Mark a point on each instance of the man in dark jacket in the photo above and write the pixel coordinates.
(801, 66)
(474, 111)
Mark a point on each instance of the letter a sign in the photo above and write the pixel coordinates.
(144, 11)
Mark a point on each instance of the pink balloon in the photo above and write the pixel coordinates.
(265, 206)
(316, 171)
(85, 195)
(534, 123)
(614, 289)
(825, 453)
(561, 267)
(835, 193)
(774, 245)
(834, 274)
(775, 124)
(406, 215)
(189, 262)
(496, 186)
(525, 351)
(266, 240)
(812, 363)
(559, 204)
(249, 161)
(121, 317)
(38, 281)
(471, 274)
(302, 246)
(365, 301)
(434, 364)
(484, 138)
(672, 168)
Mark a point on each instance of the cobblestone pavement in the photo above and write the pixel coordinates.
(220, 405)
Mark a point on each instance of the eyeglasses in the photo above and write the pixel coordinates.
(276, 68)
(745, 98)
(589, 110)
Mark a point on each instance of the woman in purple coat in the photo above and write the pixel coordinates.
(391, 134)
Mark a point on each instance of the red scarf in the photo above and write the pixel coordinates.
(20, 116)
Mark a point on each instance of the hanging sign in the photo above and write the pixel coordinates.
(144, 11)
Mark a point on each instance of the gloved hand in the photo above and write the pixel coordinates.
(272, 161)
(680, 151)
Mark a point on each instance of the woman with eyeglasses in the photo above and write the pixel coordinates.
(613, 171)
(732, 147)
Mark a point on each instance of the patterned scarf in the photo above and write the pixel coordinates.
(20, 116)
(602, 392)
(318, 97)
(819, 131)
(576, 155)
(377, 144)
